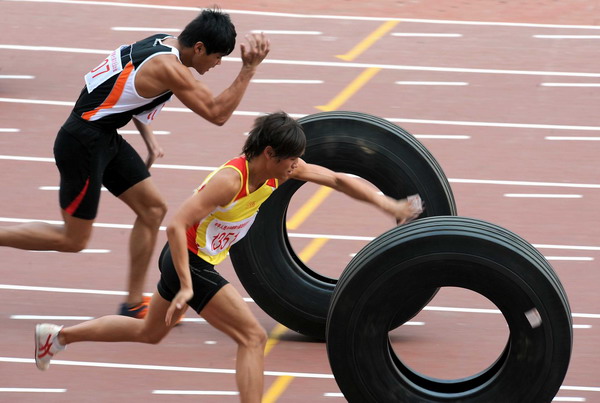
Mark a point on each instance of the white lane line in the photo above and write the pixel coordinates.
(582, 326)
(157, 132)
(195, 392)
(567, 36)
(9, 130)
(146, 29)
(13, 287)
(290, 234)
(331, 64)
(311, 16)
(15, 77)
(285, 32)
(581, 388)
(103, 189)
(425, 35)
(394, 120)
(433, 83)
(32, 390)
(570, 258)
(162, 368)
(562, 138)
(80, 318)
(81, 251)
(72, 290)
(442, 136)
(285, 81)
(524, 183)
(50, 317)
(568, 399)
(570, 84)
(543, 195)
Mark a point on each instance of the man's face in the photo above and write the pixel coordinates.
(203, 62)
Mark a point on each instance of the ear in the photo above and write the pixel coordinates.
(269, 152)
(198, 47)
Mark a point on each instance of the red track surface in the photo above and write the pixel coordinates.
(500, 111)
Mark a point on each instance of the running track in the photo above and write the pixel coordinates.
(509, 110)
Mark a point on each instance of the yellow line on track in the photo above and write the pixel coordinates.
(277, 388)
(308, 208)
(369, 41)
(282, 382)
(350, 90)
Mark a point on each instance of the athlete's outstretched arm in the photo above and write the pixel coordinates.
(403, 210)
(167, 73)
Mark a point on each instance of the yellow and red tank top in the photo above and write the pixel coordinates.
(212, 237)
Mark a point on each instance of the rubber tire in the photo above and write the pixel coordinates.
(457, 252)
(356, 143)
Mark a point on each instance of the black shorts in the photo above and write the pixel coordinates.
(205, 279)
(88, 157)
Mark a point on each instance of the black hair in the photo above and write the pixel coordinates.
(214, 29)
(278, 130)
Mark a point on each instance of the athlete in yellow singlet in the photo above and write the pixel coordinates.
(218, 214)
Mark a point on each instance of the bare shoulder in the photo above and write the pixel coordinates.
(223, 186)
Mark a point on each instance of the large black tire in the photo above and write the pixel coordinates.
(458, 252)
(355, 143)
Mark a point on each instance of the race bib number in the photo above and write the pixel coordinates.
(109, 67)
(220, 235)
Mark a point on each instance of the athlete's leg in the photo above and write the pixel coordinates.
(150, 208)
(114, 328)
(72, 236)
(228, 312)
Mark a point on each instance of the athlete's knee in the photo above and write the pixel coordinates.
(154, 213)
(151, 336)
(254, 337)
(72, 244)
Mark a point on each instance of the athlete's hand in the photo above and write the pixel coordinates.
(154, 152)
(408, 209)
(255, 51)
(178, 305)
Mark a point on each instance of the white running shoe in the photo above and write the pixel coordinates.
(46, 344)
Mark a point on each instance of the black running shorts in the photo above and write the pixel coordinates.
(88, 157)
(206, 281)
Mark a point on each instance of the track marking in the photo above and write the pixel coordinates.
(559, 138)
(350, 90)
(15, 77)
(9, 130)
(433, 83)
(285, 32)
(368, 41)
(308, 208)
(570, 84)
(196, 392)
(156, 132)
(277, 388)
(145, 29)
(425, 35)
(108, 292)
(329, 64)
(567, 36)
(543, 195)
(284, 81)
(394, 120)
(442, 136)
(311, 16)
(32, 390)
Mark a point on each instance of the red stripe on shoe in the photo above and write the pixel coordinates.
(71, 208)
